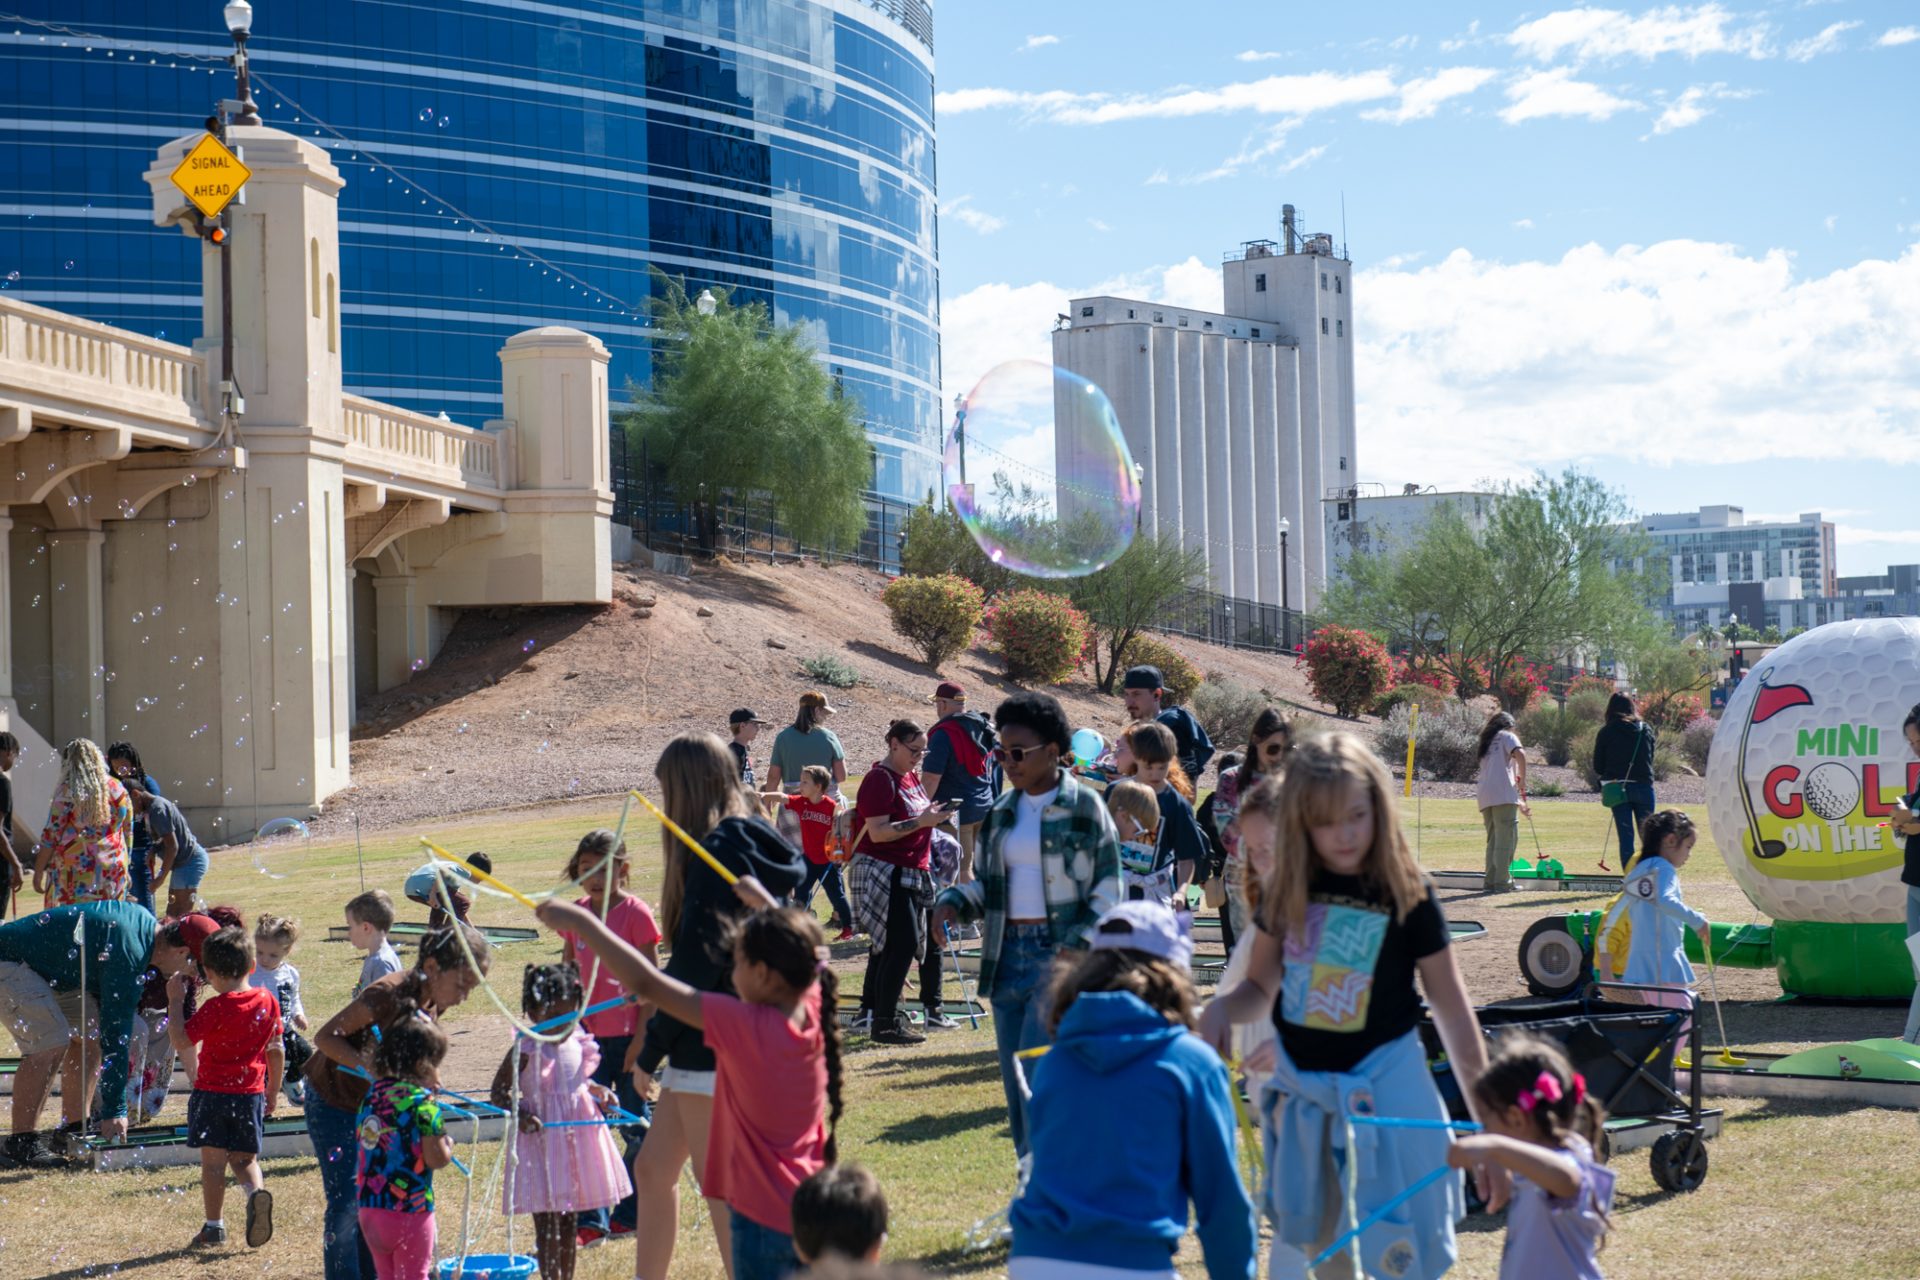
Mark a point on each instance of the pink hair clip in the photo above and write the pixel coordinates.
(1545, 1089)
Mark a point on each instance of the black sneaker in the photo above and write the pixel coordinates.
(901, 1032)
(209, 1236)
(26, 1151)
(259, 1218)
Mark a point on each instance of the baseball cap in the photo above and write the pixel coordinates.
(817, 700)
(1148, 927)
(950, 691)
(193, 931)
(1143, 678)
(744, 716)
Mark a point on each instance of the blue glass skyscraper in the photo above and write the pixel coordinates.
(514, 164)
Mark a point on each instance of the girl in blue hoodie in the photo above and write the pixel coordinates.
(1650, 896)
(1130, 1119)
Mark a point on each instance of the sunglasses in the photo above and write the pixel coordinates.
(1015, 755)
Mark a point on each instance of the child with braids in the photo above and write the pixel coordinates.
(565, 1159)
(777, 1044)
(1542, 1127)
(402, 1139)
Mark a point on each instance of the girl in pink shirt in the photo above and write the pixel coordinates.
(776, 1095)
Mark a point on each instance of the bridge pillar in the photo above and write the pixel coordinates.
(398, 640)
(79, 634)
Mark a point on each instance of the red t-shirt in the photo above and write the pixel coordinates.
(233, 1032)
(816, 824)
(895, 797)
(631, 921)
(769, 1129)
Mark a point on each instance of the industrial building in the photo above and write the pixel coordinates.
(1240, 420)
(1366, 520)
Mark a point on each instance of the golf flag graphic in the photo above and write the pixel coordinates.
(1773, 699)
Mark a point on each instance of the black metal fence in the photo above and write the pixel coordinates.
(743, 527)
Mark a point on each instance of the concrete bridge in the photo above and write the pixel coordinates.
(220, 587)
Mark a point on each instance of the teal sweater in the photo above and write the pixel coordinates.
(119, 943)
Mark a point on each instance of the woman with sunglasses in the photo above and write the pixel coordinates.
(891, 878)
(1267, 745)
(1046, 869)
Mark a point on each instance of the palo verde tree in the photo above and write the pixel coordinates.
(740, 404)
(1550, 572)
(1122, 600)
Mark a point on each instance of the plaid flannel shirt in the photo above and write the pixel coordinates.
(1080, 859)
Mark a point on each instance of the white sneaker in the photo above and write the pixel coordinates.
(862, 1023)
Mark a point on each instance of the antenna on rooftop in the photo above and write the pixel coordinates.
(1343, 228)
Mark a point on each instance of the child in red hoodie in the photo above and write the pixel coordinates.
(817, 809)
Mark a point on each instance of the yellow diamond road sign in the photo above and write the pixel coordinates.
(210, 175)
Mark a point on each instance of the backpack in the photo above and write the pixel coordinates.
(972, 739)
(1618, 939)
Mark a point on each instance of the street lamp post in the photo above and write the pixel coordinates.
(1286, 614)
(239, 16)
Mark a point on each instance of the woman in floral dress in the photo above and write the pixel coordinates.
(83, 850)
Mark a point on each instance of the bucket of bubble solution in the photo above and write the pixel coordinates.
(489, 1266)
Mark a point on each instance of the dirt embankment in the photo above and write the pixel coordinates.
(525, 706)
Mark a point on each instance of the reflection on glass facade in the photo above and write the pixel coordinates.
(780, 148)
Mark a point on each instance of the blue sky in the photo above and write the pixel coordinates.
(1677, 246)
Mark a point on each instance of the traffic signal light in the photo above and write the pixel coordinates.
(1737, 663)
(216, 235)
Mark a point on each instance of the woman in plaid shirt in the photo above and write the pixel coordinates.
(1047, 867)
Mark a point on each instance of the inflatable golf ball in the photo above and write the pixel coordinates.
(1807, 764)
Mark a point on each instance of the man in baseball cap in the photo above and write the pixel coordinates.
(1143, 690)
(746, 727)
(959, 766)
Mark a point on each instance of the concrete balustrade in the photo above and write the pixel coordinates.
(223, 591)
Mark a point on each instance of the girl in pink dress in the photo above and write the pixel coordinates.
(564, 1158)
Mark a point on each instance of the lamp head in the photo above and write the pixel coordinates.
(239, 15)
(706, 304)
(1286, 525)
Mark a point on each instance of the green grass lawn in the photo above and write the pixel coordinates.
(1804, 1191)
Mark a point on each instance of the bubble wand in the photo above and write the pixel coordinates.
(486, 876)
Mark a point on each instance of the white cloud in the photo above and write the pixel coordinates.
(995, 323)
(962, 210)
(1541, 94)
(1852, 533)
(1691, 31)
(1470, 36)
(1421, 98)
(1037, 42)
(1655, 355)
(1896, 36)
(1158, 178)
(1690, 108)
(1523, 224)
(1257, 55)
(1828, 41)
(1254, 151)
(1831, 221)
(1098, 225)
(1272, 95)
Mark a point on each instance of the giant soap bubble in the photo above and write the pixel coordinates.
(1806, 767)
(1039, 471)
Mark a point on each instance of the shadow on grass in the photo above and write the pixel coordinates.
(932, 1128)
(128, 1265)
(961, 1261)
(913, 1064)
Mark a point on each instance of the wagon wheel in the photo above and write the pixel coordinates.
(1680, 1160)
(1552, 960)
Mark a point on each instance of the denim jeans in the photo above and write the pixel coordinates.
(336, 1141)
(1630, 813)
(613, 1052)
(139, 877)
(1912, 1033)
(760, 1253)
(1019, 1004)
(826, 875)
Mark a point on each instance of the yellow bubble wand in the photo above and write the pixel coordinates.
(467, 869)
(699, 850)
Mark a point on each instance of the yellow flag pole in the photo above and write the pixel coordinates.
(699, 850)
(1413, 729)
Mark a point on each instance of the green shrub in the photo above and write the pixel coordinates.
(1177, 676)
(1348, 669)
(1667, 761)
(936, 615)
(1040, 635)
(1226, 709)
(1447, 745)
(1428, 698)
(829, 670)
(1547, 732)
(1545, 789)
(1696, 741)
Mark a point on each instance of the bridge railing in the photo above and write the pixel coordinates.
(95, 361)
(414, 444)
